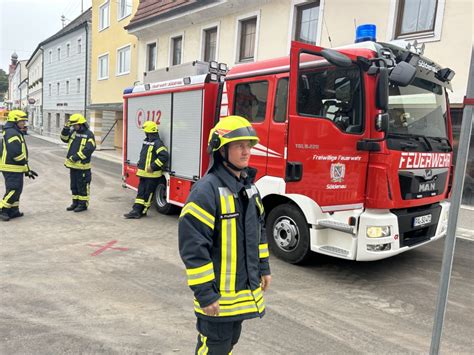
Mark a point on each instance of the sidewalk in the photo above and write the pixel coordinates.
(111, 155)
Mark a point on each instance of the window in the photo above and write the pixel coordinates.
(281, 100)
(416, 17)
(67, 86)
(103, 72)
(78, 85)
(307, 22)
(250, 100)
(49, 120)
(49, 90)
(50, 57)
(151, 56)
(79, 45)
(330, 93)
(68, 49)
(104, 16)
(59, 54)
(176, 48)
(248, 32)
(58, 120)
(123, 61)
(58, 85)
(210, 44)
(124, 8)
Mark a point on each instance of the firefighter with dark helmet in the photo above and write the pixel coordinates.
(222, 240)
(153, 157)
(14, 163)
(81, 145)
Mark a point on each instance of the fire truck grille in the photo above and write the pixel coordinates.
(411, 234)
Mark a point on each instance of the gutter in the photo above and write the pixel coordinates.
(85, 74)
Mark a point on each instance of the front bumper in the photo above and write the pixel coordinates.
(403, 236)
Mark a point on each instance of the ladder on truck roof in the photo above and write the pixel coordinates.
(196, 72)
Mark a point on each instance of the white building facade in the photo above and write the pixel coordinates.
(35, 89)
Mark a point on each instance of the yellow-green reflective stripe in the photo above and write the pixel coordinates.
(14, 138)
(200, 274)
(4, 202)
(140, 201)
(259, 204)
(64, 137)
(91, 141)
(203, 350)
(20, 157)
(148, 156)
(158, 162)
(160, 149)
(16, 204)
(83, 198)
(81, 155)
(4, 154)
(13, 168)
(199, 213)
(263, 251)
(232, 310)
(229, 241)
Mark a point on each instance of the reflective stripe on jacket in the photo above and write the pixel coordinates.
(81, 145)
(153, 154)
(223, 245)
(13, 150)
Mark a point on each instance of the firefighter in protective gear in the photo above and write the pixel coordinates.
(81, 145)
(14, 163)
(222, 240)
(153, 157)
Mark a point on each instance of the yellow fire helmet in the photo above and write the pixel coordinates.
(76, 118)
(17, 116)
(231, 129)
(150, 127)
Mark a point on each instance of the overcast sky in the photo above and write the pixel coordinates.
(25, 23)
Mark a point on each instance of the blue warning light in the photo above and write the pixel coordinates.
(366, 32)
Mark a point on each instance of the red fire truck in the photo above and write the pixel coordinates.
(355, 151)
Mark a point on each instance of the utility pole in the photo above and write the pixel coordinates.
(456, 196)
(82, 6)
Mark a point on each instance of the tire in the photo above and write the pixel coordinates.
(159, 200)
(288, 234)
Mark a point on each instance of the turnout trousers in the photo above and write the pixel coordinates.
(80, 186)
(14, 186)
(146, 190)
(217, 338)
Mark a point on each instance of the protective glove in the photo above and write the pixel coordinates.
(31, 174)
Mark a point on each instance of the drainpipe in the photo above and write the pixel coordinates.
(85, 74)
(42, 89)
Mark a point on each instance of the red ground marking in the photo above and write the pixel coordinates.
(103, 248)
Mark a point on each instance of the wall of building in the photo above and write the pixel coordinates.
(336, 26)
(68, 68)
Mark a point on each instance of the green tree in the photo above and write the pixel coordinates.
(3, 81)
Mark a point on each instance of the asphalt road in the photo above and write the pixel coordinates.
(57, 298)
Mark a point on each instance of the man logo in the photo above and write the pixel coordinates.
(338, 171)
(428, 174)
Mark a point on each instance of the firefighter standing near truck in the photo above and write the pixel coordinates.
(81, 145)
(222, 240)
(14, 164)
(153, 157)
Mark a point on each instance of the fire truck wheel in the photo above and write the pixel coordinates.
(160, 201)
(288, 234)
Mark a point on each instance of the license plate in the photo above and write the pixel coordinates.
(421, 220)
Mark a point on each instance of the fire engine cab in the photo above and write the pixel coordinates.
(355, 151)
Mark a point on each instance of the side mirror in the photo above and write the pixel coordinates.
(382, 90)
(336, 58)
(382, 122)
(403, 74)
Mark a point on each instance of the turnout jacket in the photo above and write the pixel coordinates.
(153, 154)
(13, 150)
(81, 145)
(223, 245)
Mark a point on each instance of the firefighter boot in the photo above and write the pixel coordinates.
(133, 214)
(4, 215)
(80, 207)
(15, 213)
(73, 206)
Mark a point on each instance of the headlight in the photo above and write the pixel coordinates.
(378, 231)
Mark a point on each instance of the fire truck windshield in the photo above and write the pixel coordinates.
(418, 110)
